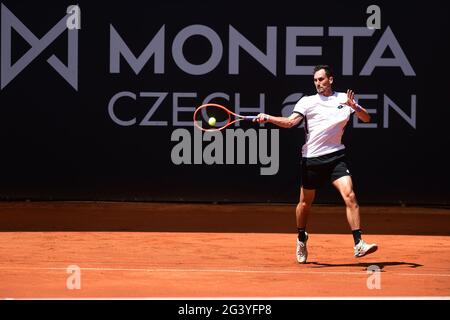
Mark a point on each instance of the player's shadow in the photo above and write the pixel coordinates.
(365, 265)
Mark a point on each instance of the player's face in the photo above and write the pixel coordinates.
(323, 83)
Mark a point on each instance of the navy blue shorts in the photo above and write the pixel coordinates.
(324, 169)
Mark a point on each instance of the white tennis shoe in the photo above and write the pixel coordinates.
(363, 248)
(302, 251)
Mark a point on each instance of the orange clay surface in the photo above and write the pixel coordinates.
(148, 250)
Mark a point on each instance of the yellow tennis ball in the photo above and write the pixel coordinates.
(212, 121)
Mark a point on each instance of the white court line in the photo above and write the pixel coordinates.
(425, 274)
(230, 271)
(244, 298)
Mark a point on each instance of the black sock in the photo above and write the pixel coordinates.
(356, 235)
(301, 234)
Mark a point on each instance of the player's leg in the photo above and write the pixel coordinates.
(301, 213)
(304, 206)
(344, 185)
(311, 178)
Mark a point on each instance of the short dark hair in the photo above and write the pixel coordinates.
(327, 68)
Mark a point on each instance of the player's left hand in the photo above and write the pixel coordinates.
(350, 101)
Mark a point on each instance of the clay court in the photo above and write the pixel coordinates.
(159, 250)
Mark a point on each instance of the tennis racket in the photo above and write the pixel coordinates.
(221, 114)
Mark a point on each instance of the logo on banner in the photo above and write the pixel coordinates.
(70, 22)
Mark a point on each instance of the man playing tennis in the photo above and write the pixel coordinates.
(323, 155)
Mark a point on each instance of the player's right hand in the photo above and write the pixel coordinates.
(261, 118)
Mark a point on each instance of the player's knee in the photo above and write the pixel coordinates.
(350, 199)
(304, 205)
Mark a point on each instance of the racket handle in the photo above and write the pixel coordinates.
(250, 117)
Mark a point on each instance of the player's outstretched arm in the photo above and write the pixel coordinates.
(284, 122)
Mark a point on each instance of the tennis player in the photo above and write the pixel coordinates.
(323, 154)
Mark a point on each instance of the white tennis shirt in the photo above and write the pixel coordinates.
(325, 120)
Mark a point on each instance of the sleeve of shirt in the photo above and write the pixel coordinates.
(300, 107)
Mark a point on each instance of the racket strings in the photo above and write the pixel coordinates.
(212, 117)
